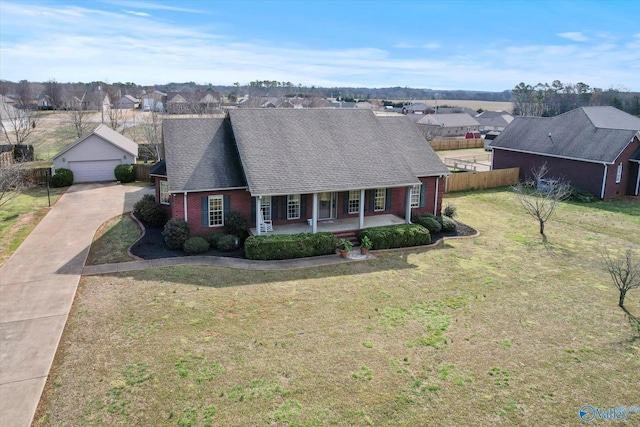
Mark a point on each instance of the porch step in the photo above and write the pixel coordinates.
(349, 235)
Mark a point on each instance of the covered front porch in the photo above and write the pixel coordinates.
(335, 225)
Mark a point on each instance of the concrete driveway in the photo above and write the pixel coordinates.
(37, 287)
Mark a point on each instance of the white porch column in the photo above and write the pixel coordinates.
(185, 206)
(407, 205)
(360, 210)
(258, 215)
(314, 214)
(435, 201)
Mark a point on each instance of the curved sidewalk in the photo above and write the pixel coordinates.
(37, 287)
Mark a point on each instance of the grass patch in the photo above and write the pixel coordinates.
(21, 215)
(527, 327)
(112, 239)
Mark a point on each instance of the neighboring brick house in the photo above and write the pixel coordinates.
(594, 148)
(296, 166)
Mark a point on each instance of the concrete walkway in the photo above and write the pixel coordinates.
(37, 287)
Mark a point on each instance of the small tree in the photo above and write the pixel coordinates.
(17, 124)
(541, 201)
(13, 180)
(625, 272)
(152, 132)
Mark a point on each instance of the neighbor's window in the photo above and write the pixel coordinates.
(354, 201)
(619, 174)
(265, 207)
(216, 216)
(379, 199)
(164, 192)
(293, 206)
(415, 195)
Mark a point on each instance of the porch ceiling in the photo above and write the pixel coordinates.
(336, 225)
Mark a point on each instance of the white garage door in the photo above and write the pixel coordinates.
(95, 170)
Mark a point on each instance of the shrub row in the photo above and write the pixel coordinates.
(397, 236)
(436, 224)
(288, 246)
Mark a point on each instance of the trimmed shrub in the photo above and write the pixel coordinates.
(449, 210)
(227, 242)
(289, 246)
(237, 225)
(397, 236)
(124, 173)
(212, 238)
(175, 233)
(448, 224)
(195, 245)
(62, 178)
(431, 223)
(149, 212)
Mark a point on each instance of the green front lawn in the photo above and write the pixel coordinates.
(495, 330)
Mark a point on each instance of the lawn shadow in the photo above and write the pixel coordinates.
(634, 322)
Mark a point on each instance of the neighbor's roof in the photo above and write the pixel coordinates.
(595, 134)
(290, 151)
(108, 135)
(200, 155)
(448, 120)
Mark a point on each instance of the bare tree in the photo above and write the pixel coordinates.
(17, 124)
(13, 180)
(624, 271)
(117, 119)
(53, 90)
(540, 196)
(152, 132)
(79, 117)
(24, 94)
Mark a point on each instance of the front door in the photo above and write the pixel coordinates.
(326, 206)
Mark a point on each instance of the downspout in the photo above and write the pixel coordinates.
(604, 181)
(435, 201)
(638, 181)
(185, 206)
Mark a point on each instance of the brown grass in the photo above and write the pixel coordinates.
(496, 330)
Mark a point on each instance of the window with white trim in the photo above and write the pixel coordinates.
(415, 195)
(216, 211)
(619, 174)
(164, 192)
(354, 201)
(293, 206)
(265, 207)
(379, 199)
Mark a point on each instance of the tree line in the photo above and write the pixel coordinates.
(547, 100)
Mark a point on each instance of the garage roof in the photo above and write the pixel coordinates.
(108, 135)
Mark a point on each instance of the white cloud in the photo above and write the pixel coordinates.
(574, 36)
(133, 12)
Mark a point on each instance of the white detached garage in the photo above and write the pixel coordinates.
(93, 157)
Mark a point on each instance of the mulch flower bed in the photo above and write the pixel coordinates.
(152, 246)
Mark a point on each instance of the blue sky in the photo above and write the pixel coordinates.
(475, 45)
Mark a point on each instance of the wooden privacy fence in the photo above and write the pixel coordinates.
(37, 176)
(456, 144)
(142, 172)
(478, 180)
(6, 158)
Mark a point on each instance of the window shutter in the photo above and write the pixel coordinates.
(387, 199)
(226, 206)
(253, 210)
(284, 207)
(369, 196)
(345, 203)
(423, 195)
(303, 206)
(274, 207)
(205, 211)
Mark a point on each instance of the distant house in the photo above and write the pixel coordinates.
(419, 108)
(495, 121)
(178, 104)
(298, 168)
(127, 102)
(448, 125)
(94, 156)
(594, 148)
(153, 101)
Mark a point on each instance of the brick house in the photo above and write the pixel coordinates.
(594, 148)
(297, 167)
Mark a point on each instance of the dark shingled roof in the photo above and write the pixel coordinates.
(595, 134)
(635, 157)
(159, 168)
(290, 151)
(200, 155)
